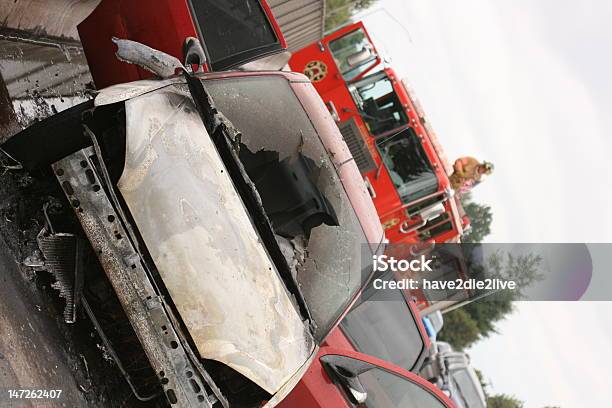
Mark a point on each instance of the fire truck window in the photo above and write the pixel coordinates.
(232, 29)
(387, 390)
(353, 54)
(383, 326)
(381, 108)
(408, 165)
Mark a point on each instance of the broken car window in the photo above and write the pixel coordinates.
(300, 190)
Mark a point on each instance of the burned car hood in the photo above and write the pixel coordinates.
(203, 242)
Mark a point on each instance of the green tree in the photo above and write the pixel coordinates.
(459, 329)
(482, 381)
(480, 216)
(487, 312)
(476, 320)
(500, 400)
(504, 401)
(338, 12)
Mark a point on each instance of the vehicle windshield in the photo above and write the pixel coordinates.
(380, 106)
(408, 165)
(467, 389)
(387, 390)
(383, 326)
(302, 194)
(231, 28)
(353, 54)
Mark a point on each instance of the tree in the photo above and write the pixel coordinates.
(460, 329)
(476, 320)
(487, 312)
(480, 216)
(482, 381)
(504, 401)
(497, 400)
(338, 12)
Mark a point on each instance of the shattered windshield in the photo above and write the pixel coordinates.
(315, 225)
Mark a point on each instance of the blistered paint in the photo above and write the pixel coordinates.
(204, 245)
(157, 62)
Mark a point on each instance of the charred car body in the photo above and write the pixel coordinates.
(233, 253)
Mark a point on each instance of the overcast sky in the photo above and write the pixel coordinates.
(527, 85)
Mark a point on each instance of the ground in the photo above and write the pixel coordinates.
(37, 349)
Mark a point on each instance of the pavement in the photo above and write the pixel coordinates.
(32, 352)
(38, 350)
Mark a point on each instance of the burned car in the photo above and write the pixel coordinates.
(226, 213)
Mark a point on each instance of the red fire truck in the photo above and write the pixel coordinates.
(385, 128)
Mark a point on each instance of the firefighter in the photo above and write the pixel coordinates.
(468, 173)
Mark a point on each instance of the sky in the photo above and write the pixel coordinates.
(526, 84)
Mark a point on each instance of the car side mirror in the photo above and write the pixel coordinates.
(193, 52)
(359, 57)
(161, 64)
(345, 373)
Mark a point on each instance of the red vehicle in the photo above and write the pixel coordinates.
(370, 359)
(341, 377)
(387, 326)
(398, 154)
(232, 33)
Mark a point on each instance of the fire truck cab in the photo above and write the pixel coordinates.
(397, 152)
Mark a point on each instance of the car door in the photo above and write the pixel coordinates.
(344, 378)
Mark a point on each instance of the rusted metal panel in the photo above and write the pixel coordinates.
(8, 119)
(55, 18)
(50, 70)
(301, 21)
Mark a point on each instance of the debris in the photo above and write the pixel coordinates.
(157, 62)
(62, 253)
